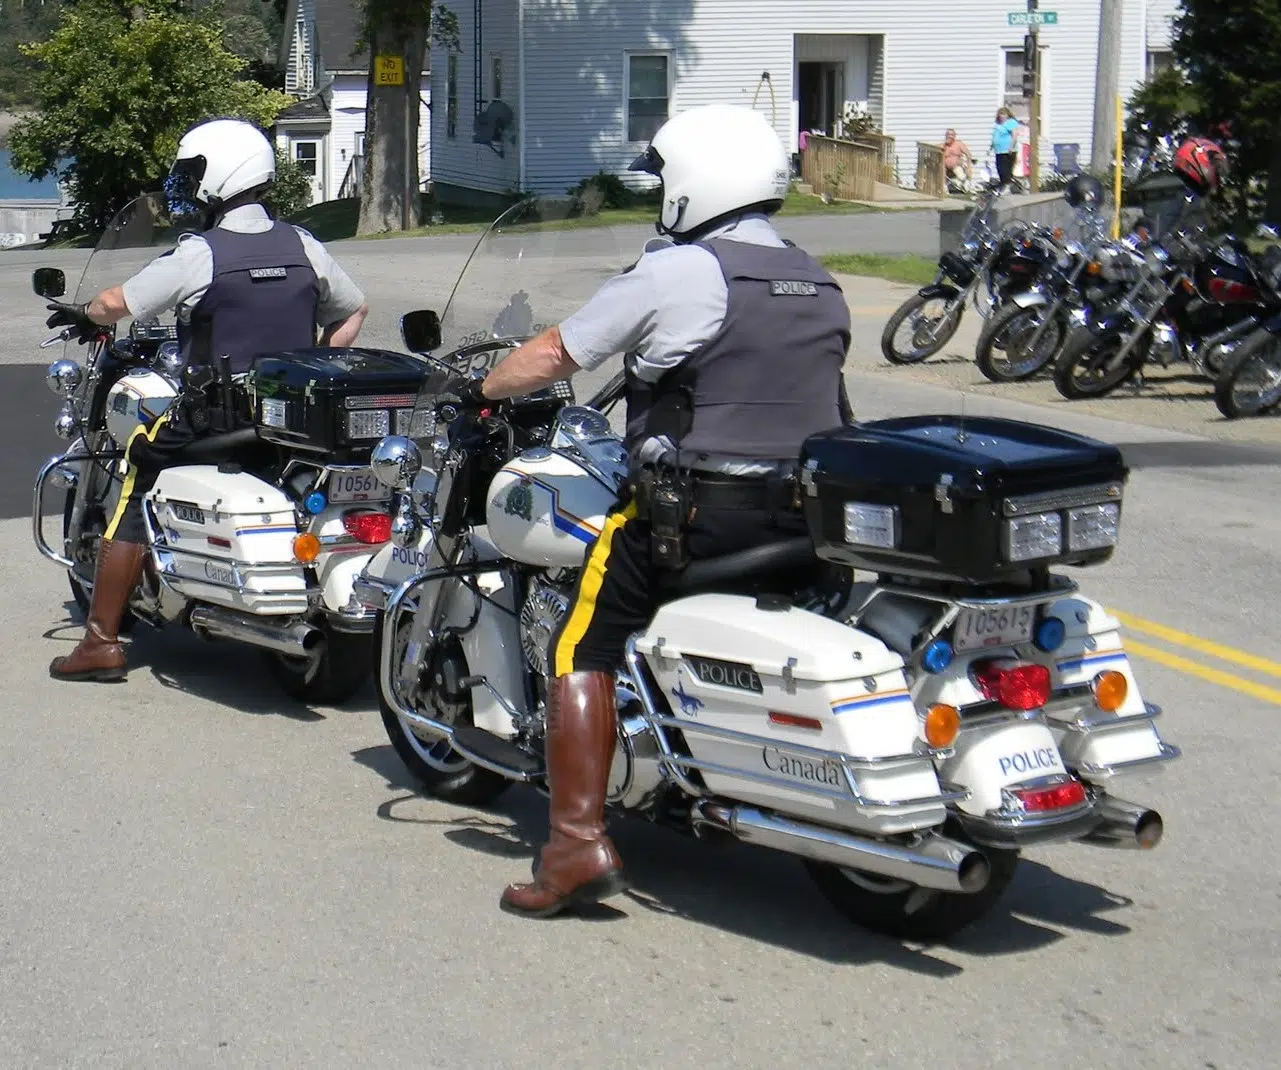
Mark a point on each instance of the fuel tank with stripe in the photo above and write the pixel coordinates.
(547, 506)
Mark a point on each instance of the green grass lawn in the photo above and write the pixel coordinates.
(335, 220)
(916, 270)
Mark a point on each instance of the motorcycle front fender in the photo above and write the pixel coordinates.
(944, 290)
(1030, 299)
(488, 626)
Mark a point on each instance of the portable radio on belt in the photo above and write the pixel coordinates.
(665, 499)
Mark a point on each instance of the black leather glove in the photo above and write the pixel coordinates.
(467, 390)
(77, 316)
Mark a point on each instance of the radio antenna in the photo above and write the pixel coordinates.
(960, 428)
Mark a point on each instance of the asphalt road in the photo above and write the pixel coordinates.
(195, 872)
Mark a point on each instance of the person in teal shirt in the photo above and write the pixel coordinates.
(1003, 145)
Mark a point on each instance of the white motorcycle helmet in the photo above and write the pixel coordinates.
(221, 159)
(715, 161)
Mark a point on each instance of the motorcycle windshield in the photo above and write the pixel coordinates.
(142, 230)
(539, 261)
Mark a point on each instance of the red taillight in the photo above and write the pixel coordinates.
(795, 720)
(1016, 687)
(367, 526)
(1058, 797)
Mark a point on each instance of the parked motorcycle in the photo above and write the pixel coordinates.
(258, 537)
(906, 737)
(1025, 334)
(1249, 383)
(1195, 300)
(1001, 262)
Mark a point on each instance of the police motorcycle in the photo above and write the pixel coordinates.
(904, 699)
(259, 534)
(987, 267)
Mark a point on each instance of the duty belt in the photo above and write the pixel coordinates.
(763, 493)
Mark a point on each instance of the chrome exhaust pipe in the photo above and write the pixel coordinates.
(936, 862)
(1125, 825)
(297, 638)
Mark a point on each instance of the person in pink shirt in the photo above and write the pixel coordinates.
(957, 160)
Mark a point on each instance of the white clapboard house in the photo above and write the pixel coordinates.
(543, 93)
(325, 129)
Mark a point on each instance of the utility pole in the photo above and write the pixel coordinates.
(1032, 89)
(1107, 83)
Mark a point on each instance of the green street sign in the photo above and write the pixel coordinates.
(1034, 18)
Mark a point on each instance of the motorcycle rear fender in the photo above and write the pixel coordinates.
(1030, 299)
(492, 646)
(1092, 645)
(939, 289)
(337, 568)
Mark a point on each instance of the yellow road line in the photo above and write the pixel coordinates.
(1201, 646)
(1204, 672)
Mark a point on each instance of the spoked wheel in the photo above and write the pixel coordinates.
(441, 771)
(919, 328)
(1250, 382)
(907, 911)
(333, 677)
(1081, 371)
(85, 555)
(1003, 353)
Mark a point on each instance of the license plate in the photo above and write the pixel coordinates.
(356, 487)
(993, 626)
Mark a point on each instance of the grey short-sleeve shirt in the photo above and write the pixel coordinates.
(179, 278)
(661, 311)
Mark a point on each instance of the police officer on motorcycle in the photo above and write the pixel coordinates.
(734, 344)
(246, 285)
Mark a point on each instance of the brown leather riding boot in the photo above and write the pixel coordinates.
(98, 655)
(579, 863)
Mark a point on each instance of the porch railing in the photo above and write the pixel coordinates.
(931, 176)
(845, 170)
(887, 150)
(353, 181)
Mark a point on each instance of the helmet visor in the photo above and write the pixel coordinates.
(649, 162)
(184, 178)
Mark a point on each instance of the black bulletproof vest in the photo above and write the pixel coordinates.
(769, 378)
(263, 298)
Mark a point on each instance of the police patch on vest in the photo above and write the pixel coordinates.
(724, 673)
(792, 288)
(268, 273)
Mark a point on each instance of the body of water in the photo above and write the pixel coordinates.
(15, 186)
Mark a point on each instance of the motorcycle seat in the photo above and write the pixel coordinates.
(216, 448)
(771, 561)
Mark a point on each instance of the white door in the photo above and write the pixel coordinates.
(307, 155)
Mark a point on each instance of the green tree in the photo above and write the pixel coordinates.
(1229, 50)
(117, 86)
(396, 28)
(22, 22)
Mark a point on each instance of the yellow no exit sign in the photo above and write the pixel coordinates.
(389, 70)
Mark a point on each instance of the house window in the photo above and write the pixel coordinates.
(359, 150)
(648, 90)
(305, 156)
(1158, 61)
(451, 96)
(1012, 86)
(498, 77)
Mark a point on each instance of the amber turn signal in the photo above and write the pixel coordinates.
(306, 547)
(942, 724)
(1110, 689)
